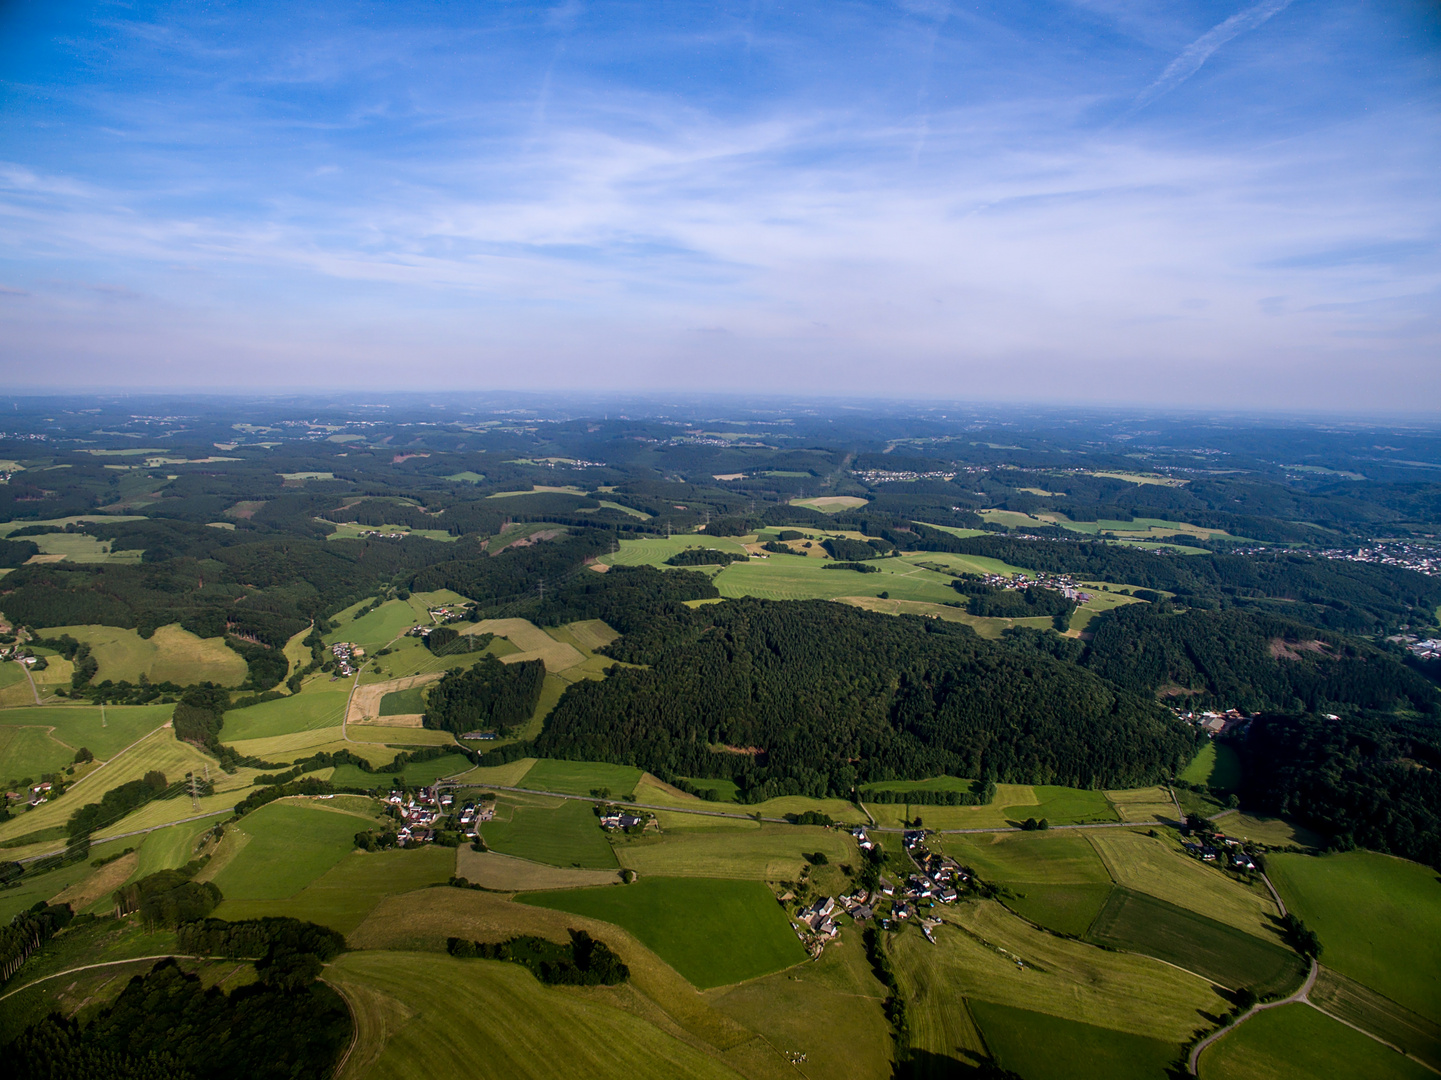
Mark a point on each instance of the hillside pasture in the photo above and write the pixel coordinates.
(307, 711)
(533, 643)
(1157, 866)
(30, 753)
(1229, 957)
(1042, 1047)
(500, 1014)
(1378, 917)
(655, 550)
(344, 895)
(1296, 1042)
(1064, 806)
(1346, 999)
(715, 932)
(1217, 765)
(1012, 802)
(414, 774)
(1148, 805)
(1274, 832)
(582, 777)
(104, 731)
(171, 654)
(403, 702)
(561, 832)
(506, 873)
(831, 504)
(1056, 880)
(990, 955)
(288, 844)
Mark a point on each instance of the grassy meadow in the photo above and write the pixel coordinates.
(1217, 765)
(1295, 1042)
(561, 832)
(415, 773)
(1042, 1047)
(1056, 880)
(1378, 917)
(582, 777)
(758, 852)
(713, 931)
(283, 847)
(171, 654)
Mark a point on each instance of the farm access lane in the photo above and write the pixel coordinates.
(1298, 997)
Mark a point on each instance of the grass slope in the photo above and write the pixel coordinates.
(561, 832)
(582, 777)
(171, 654)
(1216, 765)
(1056, 879)
(1295, 1042)
(290, 844)
(415, 773)
(1230, 957)
(307, 711)
(1042, 1047)
(1378, 917)
(759, 852)
(713, 931)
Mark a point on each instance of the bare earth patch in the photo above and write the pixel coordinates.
(1281, 649)
(100, 884)
(533, 643)
(365, 702)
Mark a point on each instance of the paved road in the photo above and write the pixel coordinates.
(1299, 995)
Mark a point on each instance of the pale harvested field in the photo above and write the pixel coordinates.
(506, 873)
(533, 643)
(365, 701)
(98, 885)
(1143, 805)
(831, 503)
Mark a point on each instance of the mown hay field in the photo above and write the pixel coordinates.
(1227, 956)
(582, 777)
(561, 832)
(29, 753)
(1379, 918)
(506, 873)
(1275, 832)
(499, 1014)
(1042, 1047)
(286, 845)
(1296, 1042)
(1012, 802)
(981, 943)
(171, 654)
(1158, 867)
(1056, 879)
(785, 577)
(713, 931)
(1347, 1000)
(1146, 805)
(655, 550)
(310, 710)
(104, 732)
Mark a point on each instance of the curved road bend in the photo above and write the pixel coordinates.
(1298, 996)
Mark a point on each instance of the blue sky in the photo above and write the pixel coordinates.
(1188, 203)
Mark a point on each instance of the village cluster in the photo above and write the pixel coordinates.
(347, 657)
(1214, 723)
(1061, 583)
(1423, 558)
(937, 879)
(423, 810)
(1206, 850)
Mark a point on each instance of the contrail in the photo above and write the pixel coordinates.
(1200, 50)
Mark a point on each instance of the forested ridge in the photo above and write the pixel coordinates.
(811, 697)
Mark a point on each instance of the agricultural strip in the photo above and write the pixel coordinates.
(714, 932)
(291, 844)
(582, 777)
(1056, 880)
(171, 654)
(764, 853)
(1230, 957)
(506, 873)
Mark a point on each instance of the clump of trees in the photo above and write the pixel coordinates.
(584, 961)
(489, 694)
(699, 556)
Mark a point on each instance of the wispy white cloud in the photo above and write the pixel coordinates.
(1199, 51)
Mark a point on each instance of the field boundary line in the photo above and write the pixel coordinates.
(354, 1026)
(137, 832)
(110, 963)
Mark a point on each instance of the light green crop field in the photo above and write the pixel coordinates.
(582, 777)
(655, 550)
(990, 955)
(1010, 799)
(830, 1011)
(784, 578)
(103, 733)
(499, 1014)
(511, 774)
(167, 849)
(1057, 879)
(290, 844)
(308, 711)
(1227, 956)
(1041, 1047)
(171, 654)
(1216, 765)
(1147, 805)
(343, 896)
(713, 931)
(934, 783)
(1295, 1042)
(561, 832)
(1064, 806)
(1346, 999)
(761, 853)
(82, 548)
(1378, 917)
(403, 702)
(414, 773)
(1157, 866)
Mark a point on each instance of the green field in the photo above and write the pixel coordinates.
(1065, 806)
(30, 753)
(783, 577)
(499, 1020)
(104, 732)
(1277, 832)
(714, 932)
(345, 894)
(760, 852)
(286, 845)
(1056, 879)
(169, 655)
(166, 849)
(935, 783)
(1229, 957)
(655, 550)
(559, 832)
(1295, 1042)
(1042, 1047)
(416, 773)
(1217, 766)
(307, 711)
(582, 777)
(403, 702)
(1345, 999)
(1378, 917)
